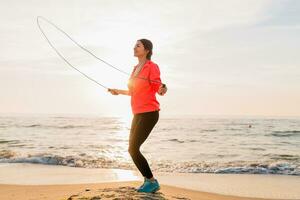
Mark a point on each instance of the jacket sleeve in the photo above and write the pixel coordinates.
(154, 77)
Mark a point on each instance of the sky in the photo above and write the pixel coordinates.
(237, 58)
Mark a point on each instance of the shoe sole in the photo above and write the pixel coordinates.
(151, 191)
(138, 188)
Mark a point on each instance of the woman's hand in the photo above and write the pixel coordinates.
(113, 91)
(162, 89)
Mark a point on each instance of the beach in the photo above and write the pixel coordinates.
(76, 157)
(38, 181)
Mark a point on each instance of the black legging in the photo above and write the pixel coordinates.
(141, 126)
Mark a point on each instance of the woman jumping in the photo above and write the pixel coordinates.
(143, 85)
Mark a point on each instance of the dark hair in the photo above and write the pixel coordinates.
(148, 46)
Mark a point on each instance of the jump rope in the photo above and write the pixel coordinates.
(83, 48)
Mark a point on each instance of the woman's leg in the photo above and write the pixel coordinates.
(142, 125)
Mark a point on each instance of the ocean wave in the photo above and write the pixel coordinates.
(285, 133)
(282, 157)
(7, 154)
(71, 161)
(238, 167)
(68, 126)
(182, 141)
(9, 141)
(86, 161)
(32, 125)
(175, 140)
(209, 130)
(49, 126)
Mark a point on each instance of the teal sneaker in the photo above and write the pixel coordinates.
(142, 184)
(149, 186)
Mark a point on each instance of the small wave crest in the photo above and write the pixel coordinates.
(285, 133)
(50, 126)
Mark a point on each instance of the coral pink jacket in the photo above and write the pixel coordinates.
(143, 91)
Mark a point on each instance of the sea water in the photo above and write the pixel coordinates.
(249, 145)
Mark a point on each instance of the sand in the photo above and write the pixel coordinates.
(36, 181)
(114, 190)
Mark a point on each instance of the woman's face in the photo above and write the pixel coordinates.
(139, 50)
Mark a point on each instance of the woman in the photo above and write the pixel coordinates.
(143, 84)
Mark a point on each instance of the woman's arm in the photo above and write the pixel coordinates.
(124, 92)
(117, 91)
(155, 81)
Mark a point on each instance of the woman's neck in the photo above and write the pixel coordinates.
(142, 60)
